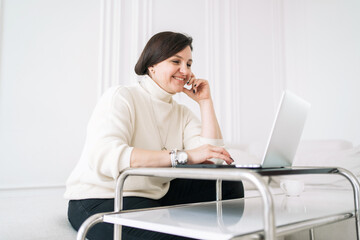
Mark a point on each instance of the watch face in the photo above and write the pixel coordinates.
(182, 157)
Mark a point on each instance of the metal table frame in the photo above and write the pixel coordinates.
(227, 174)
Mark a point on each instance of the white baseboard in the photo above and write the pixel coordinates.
(31, 187)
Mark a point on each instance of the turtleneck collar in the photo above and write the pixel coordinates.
(155, 90)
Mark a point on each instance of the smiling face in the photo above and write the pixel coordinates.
(173, 73)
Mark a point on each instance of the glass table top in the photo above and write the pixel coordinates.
(240, 217)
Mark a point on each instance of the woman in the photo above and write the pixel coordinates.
(142, 126)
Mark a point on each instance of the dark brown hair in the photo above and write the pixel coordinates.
(160, 47)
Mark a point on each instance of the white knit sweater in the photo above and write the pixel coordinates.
(124, 119)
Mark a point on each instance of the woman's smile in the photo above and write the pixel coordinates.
(179, 78)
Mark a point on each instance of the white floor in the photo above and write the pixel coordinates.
(34, 214)
(40, 214)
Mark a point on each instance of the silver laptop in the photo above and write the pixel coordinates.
(285, 133)
(284, 138)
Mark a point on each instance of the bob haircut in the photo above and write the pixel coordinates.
(161, 46)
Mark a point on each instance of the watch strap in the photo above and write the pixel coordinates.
(173, 154)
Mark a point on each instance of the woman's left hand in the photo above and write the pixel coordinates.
(200, 89)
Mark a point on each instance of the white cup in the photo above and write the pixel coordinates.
(292, 188)
(293, 205)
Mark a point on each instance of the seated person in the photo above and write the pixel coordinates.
(141, 126)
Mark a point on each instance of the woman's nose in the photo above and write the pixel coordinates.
(184, 69)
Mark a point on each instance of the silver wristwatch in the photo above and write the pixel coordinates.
(178, 157)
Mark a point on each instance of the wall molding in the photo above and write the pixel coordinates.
(120, 43)
(1, 33)
(279, 67)
(110, 41)
(141, 28)
(236, 116)
(222, 64)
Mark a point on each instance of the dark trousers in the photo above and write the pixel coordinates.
(181, 191)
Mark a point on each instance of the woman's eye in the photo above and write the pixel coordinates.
(189, 65)
(176, 61)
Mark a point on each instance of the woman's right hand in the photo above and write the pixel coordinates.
(204, 153)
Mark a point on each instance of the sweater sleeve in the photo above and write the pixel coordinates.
(110, 132)
(192, 132)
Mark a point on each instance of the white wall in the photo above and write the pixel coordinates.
(57, 57)
(322, 55)
(48, 87)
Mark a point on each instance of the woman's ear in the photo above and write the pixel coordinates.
(151, 70)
